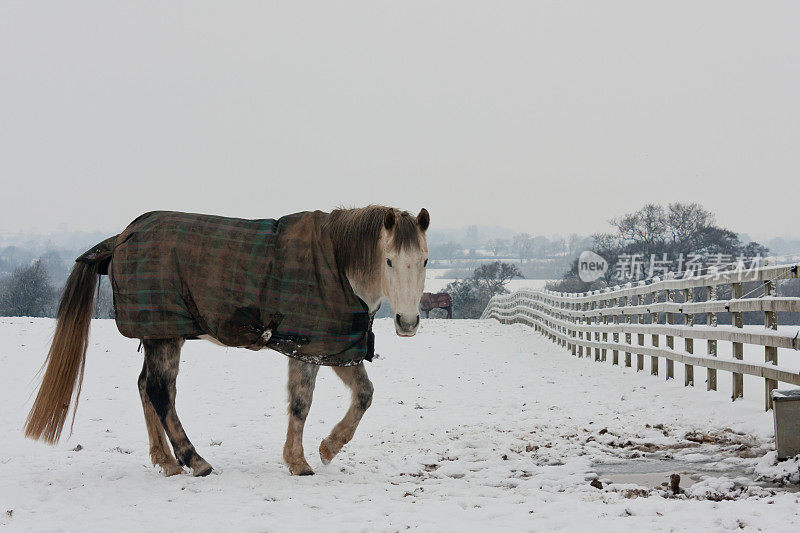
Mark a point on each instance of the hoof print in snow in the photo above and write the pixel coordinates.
(635, 493)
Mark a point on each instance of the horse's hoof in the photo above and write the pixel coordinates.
(301, 470)
(203, 471)
(172, 470)
(325, 454)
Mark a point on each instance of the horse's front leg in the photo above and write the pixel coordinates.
(355, 377)
(302, 377)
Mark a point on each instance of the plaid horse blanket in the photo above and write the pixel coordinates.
(248, 283)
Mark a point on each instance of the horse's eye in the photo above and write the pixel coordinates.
(425, 263)
(389, 262)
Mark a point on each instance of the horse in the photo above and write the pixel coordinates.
(380, 252)
(439, 300)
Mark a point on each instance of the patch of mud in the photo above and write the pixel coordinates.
(711, 480)
(635, 462)
(717, 465)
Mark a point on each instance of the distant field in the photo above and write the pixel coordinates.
(433, 283)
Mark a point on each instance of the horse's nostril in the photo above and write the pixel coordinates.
(404, 324)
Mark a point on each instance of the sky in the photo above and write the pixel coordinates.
(545, 117)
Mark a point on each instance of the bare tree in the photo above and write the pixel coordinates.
(447, 251)
(28, 293)
(646, 228)
(493, 277)
(573, 243)
(686, 221)
(470, 296)
(557, 246)
(523, 246)
(497, 246)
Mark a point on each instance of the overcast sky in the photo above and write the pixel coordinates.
(546, 117)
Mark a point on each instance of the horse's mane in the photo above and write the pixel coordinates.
(356, 233)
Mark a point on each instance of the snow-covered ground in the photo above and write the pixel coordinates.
(474, 426)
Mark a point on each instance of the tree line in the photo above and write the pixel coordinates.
(29, 291)
(676, 231)
(669, 234)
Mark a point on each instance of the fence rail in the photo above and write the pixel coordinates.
(603, 321)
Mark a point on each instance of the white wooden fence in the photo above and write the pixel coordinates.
(606, 320)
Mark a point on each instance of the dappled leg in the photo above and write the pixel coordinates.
(302, 377)
(355, 377)
(160, 453)
(162, 358)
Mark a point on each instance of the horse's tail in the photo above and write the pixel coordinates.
(67, 357)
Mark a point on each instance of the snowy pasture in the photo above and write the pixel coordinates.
(474, 426)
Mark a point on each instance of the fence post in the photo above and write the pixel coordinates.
(770, 352)
(615, 353)
(711, 373)
(688, 297)
(565, 329)
(640, 356)
(654, 358)
(573, 333)
(580, 332)
(559, 316)
(568, 320)
(628, 340)
(564, 317)
(596, 305)
(668, 319)
(606, 305)
(562, 305)
(738, 347)
(545, 313)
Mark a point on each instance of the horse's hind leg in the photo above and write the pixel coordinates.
(160, 453)
(355, 377)
(162, 358)
(302, 377)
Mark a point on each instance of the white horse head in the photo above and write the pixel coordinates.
(383, 252)
(405, 250)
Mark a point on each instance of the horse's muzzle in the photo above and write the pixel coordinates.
(406, 328)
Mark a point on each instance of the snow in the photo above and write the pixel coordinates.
(474, 425)
(787, 471)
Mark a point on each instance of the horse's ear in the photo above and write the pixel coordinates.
(388, 219)
(423, 219)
